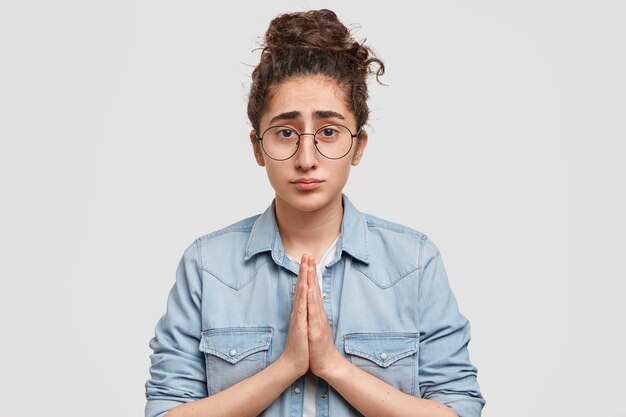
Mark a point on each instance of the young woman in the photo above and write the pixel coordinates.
(311, 308)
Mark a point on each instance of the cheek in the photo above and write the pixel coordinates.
(274, 173)
(341, 173)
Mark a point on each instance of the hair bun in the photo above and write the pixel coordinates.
(315, 29)
(307, 43)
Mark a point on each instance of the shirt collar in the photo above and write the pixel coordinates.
(264, 235)
(353, 238)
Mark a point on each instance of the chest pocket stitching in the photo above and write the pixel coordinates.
(220, 342)
(393, 282)
(398, 344)
(237, 285)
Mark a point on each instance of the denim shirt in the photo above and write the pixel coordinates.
(386, 296)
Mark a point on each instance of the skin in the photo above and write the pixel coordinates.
(309, 221)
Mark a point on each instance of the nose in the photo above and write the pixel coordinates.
(306, 155)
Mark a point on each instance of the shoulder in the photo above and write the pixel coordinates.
(390, 228)
(386, 232)
(243, 226)
(396, 249)
(223, 242)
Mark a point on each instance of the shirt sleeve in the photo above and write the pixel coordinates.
(446, 374)
(177, 371)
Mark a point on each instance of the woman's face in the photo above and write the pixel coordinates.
(308, 181)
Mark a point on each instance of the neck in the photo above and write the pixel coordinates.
(309, 232)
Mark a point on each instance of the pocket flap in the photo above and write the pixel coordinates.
(235, 343)
(381, 348)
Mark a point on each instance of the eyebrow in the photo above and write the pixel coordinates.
(318, 114)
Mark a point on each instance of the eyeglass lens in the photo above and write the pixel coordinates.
(332, 141)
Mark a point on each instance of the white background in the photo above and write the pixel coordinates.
(500, 135)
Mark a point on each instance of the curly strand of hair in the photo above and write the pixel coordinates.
(308, 43)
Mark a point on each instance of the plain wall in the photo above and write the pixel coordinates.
(499, 134)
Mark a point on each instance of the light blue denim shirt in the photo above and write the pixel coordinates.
(387, 299)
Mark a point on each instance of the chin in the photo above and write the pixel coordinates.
(308, 201)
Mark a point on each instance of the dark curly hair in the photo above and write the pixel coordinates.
(312, 43)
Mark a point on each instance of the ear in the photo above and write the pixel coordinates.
(256, 147)
(361, 143)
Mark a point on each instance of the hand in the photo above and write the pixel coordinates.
(323, 355)
(296, 352)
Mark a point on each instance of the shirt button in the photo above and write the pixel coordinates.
(383, 356)
(325, 296)
(232, 352)
(324, 394)
(297, 390)
(280, 253)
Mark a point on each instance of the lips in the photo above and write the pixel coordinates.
(307, 184)
(307, 181)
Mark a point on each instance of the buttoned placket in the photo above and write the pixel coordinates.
(296, 390)
(297, 387)
(322, 398)
(297, 397)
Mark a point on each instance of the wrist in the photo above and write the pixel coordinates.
(334, 366)
(288, 368)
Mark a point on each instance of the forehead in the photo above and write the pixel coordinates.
(308, 96)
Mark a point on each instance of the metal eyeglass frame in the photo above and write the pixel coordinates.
(315, 142)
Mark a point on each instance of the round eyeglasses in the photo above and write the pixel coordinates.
(331, 141)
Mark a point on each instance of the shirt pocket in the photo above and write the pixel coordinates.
(390, 356)
(233, 354)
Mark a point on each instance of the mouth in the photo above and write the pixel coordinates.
(306, 184)
(306, 180)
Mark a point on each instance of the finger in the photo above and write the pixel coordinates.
(300, 296)
(317, 283)
(312, 307)
(314, 284)
(303, 272)
(314, 301)
(312, 273)
(314, 281)
(303, 298)
(321, 313)
(300, 302)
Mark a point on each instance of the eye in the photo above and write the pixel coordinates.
(286, 133)
(328, 132)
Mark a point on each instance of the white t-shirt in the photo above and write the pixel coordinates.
(310, 380)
